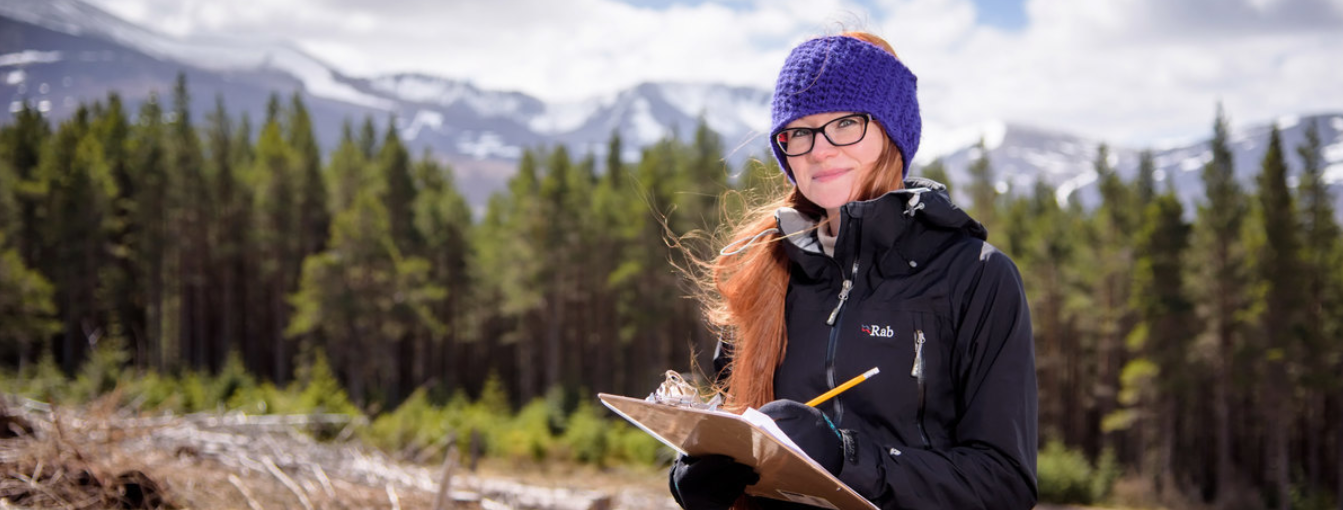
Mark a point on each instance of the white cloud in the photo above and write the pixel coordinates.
(1129, 72)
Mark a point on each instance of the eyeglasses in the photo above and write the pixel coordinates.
(846, 130)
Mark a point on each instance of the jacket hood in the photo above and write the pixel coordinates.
(902, 229)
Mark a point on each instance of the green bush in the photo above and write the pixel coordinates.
(42, 381)
(1065, 476)
(101, 372)
(322, 393)
(265, 399)
(414, 428)
(630, 445)
(585, 437)
(527, 436)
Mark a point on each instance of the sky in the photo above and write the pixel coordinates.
(1135, 73)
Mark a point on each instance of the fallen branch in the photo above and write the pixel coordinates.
(251, 501)
(288, 482)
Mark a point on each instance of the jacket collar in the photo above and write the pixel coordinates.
(900, 231)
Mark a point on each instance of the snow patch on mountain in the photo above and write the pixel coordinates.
(29, 57)
(486, 144)
(214, 53)
(732, 112)
(562, 117)
(420, 88)
(647, 129)
(423, 119)
(941, 143)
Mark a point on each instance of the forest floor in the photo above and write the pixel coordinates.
(100, 458)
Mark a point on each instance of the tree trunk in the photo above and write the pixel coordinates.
(1222, 428)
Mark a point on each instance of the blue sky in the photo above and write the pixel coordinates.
(1129, 72)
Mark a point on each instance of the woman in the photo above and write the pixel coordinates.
(857, 267)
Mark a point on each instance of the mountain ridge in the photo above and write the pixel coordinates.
(69, 52)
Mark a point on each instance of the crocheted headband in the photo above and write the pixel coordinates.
(844, 74)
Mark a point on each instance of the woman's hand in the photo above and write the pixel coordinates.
(711, 482)
(811, 430)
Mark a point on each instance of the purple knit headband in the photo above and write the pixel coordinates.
(844, 74)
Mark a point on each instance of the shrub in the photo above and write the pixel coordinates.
(101, 371)
(585, 438)
(322, 393)
(1065, 475)
(528, 434)
(415, 428)
(630, 445)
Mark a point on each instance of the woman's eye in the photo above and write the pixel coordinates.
(799, 133)
(847, 122)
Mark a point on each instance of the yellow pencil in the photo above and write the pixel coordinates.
(841, 388)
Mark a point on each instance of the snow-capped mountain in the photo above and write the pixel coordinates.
(58, 54)
(1021, 155)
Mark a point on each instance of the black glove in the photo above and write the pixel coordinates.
(811, 430)
(711, 482)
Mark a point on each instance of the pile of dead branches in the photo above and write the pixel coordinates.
(51, 473)
(101, 456)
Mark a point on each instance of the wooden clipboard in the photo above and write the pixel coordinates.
(785, 474)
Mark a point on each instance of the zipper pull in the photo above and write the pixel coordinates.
(843, 295)
(917, 371)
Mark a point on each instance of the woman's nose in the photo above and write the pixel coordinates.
(821, 148)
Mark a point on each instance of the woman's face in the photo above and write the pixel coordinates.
(828, 175)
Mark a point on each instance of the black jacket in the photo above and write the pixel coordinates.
(950, 422)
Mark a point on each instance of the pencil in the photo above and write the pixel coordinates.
(841, 388)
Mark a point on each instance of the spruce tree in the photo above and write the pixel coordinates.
(189, 208)
(1220, 286)
(1280, 327)
(983, 188)
(23, 141)
(937, 171)
(1162, 339)
(314, 218)
(1322, 312)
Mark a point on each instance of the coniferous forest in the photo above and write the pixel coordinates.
(1199, 360)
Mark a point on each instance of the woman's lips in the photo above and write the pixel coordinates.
(829, 175)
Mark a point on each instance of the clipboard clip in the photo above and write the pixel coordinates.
(675, 391)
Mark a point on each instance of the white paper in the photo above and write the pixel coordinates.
(763, 421)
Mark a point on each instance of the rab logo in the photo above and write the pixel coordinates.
(875, 330)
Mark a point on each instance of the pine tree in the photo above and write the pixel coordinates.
(983, 188)
(277, 252)
(27, 313)
(189, 208)
(81, 191)
(1157, 381)
(333, 298)
(23, 141)
(1113, 255)
(1145, 186)
(1322, 312)
(937, 171)
(443, 220)
(148, 237)
(398, 191)
(314, 220)
(1280, 327)
(1221, 283)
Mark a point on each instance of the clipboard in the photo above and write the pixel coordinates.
(785, 473)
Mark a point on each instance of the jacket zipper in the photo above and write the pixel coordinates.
(917, 372)
(834, 322)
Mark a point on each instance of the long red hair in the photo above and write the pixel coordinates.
(743, 293)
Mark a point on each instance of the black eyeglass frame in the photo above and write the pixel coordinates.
(783, 146)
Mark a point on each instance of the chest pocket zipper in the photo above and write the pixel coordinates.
(917, 372)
